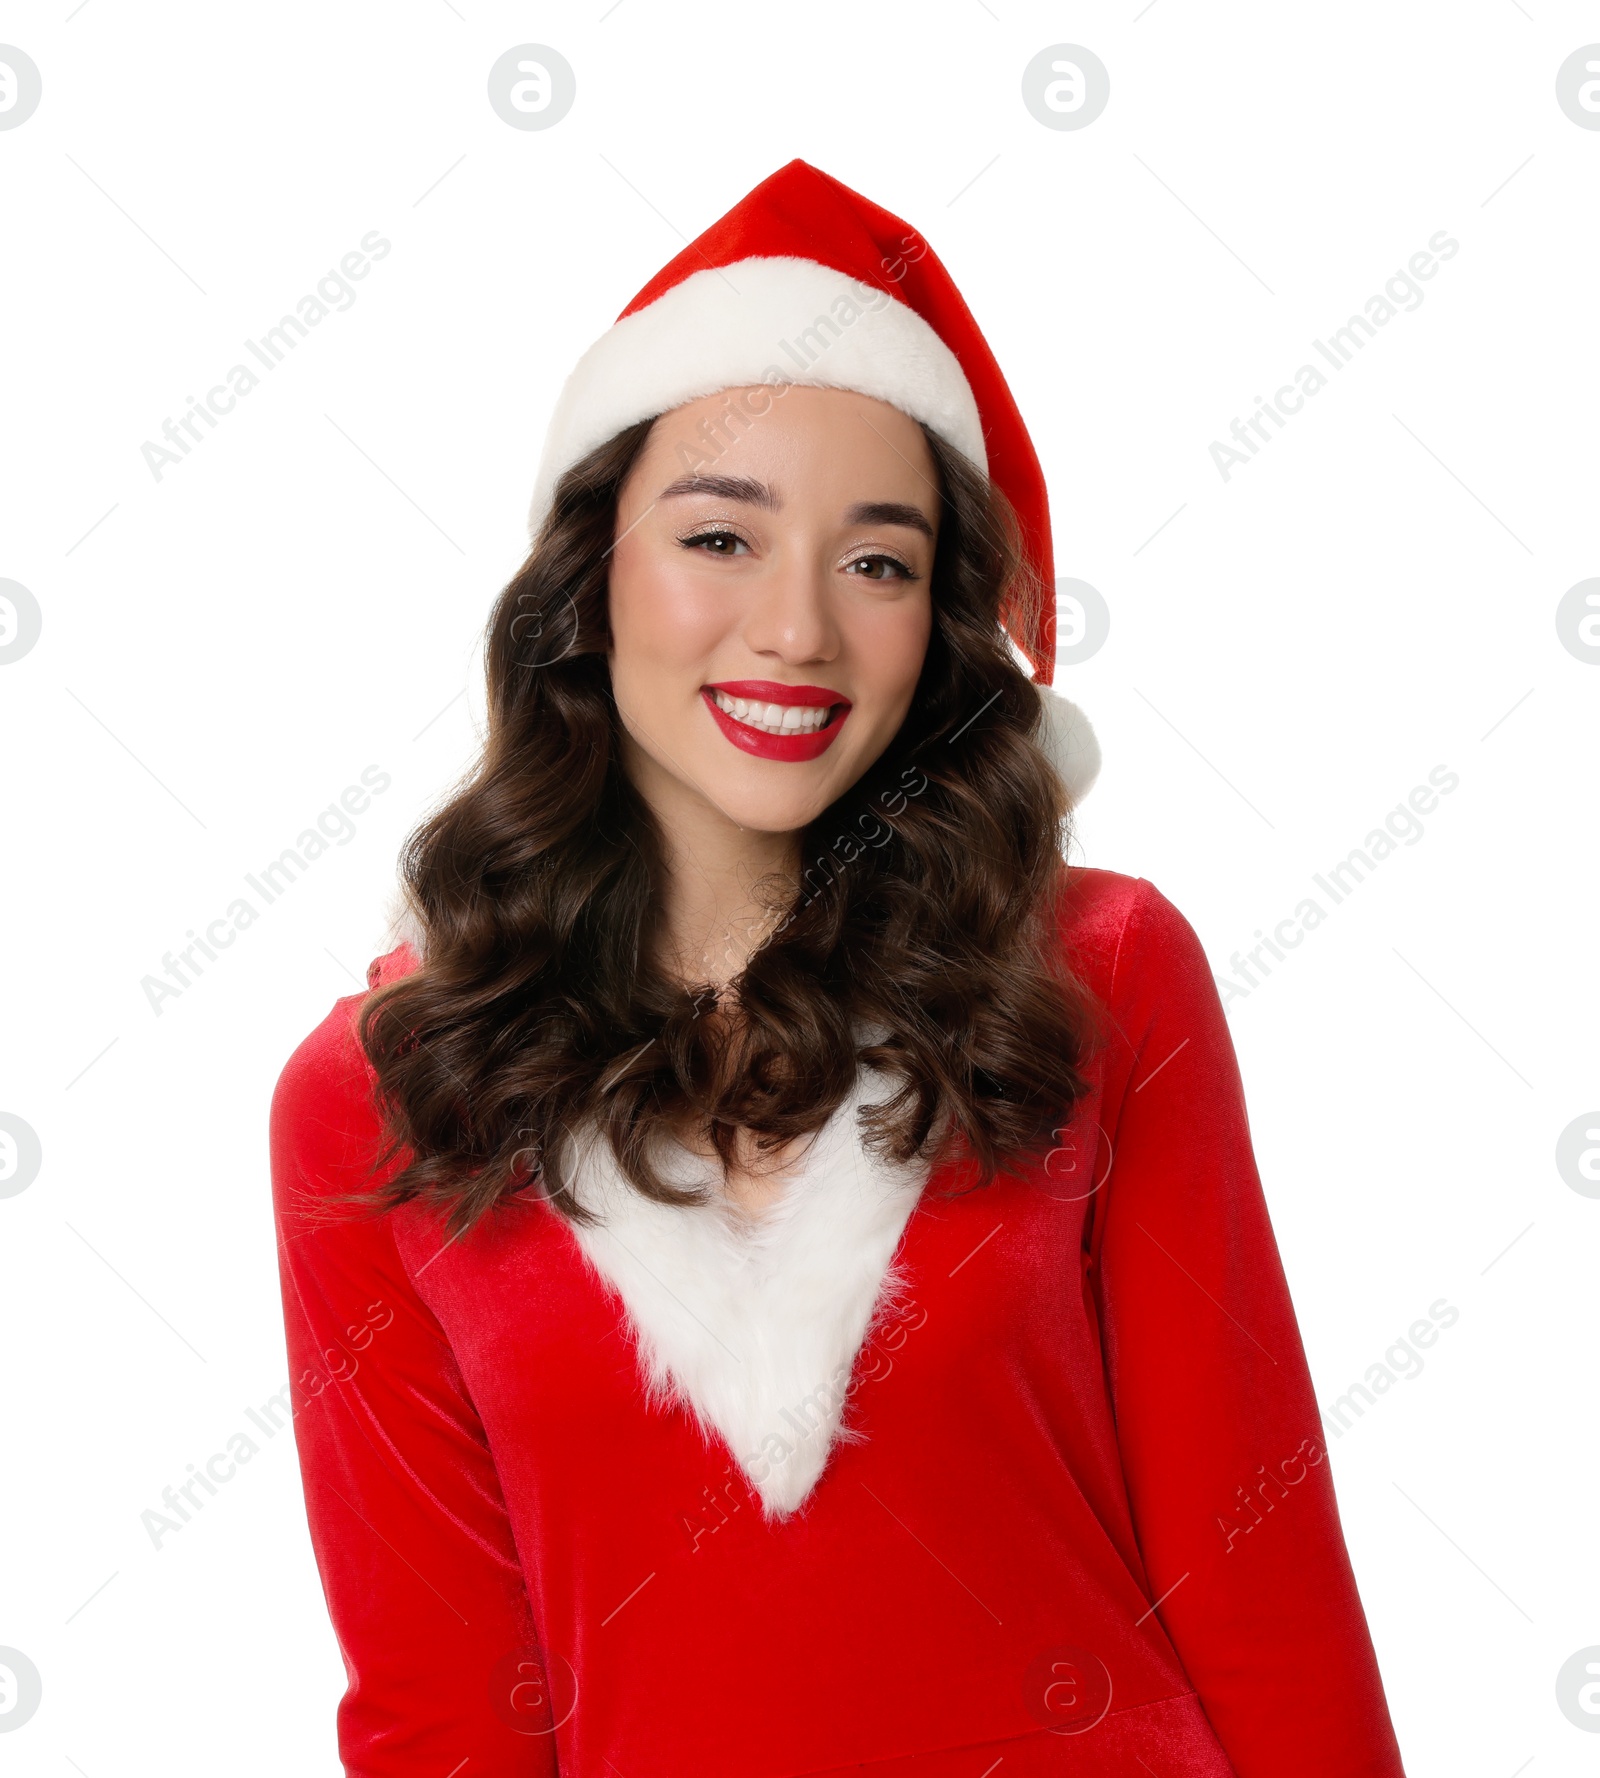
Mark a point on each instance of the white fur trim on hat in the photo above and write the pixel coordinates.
(775, 320)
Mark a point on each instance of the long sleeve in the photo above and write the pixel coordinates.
(407, 1521)
(1217, 1421)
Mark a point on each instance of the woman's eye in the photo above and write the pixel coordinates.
(715, 543)
(872, 568)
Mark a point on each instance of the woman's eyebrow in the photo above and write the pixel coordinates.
(726, 487)
(890, 512)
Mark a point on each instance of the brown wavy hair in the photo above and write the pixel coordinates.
(925, 915)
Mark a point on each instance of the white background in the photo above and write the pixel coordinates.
(225, 649)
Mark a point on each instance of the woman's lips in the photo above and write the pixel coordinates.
(758, 742)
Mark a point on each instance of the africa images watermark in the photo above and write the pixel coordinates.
(222, 1466)
(1338, 882)
(1257, 1498)
(269, 351)
(274, 1414)
(1402, 1362)
(1270, 1486)
(334, 827)
(1403, 291)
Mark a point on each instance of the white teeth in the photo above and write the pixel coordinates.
(776, 719)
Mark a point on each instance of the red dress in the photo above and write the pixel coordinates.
(1081, 1519)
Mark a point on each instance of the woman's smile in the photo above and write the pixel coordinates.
(773, 721)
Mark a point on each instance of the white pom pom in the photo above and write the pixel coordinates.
(1069, 740)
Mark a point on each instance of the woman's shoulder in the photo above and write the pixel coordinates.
(1123, 934)
(323, 1119)
(393, 964)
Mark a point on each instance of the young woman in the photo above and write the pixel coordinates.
(776, 1278)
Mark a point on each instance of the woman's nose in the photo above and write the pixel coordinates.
(792, 613)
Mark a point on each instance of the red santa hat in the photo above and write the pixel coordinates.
(805, 281)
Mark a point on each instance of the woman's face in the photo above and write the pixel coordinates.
(769, 601)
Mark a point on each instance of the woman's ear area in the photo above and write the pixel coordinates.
(636, 477)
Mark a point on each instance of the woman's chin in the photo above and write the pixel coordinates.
(755, 794)
(763, 806)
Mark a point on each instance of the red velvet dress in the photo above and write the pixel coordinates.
(1083, 1521)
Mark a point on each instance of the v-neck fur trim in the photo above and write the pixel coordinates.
(755, 1329)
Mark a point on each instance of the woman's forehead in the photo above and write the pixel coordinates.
(782, 445)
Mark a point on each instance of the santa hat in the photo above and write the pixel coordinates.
(804, 281)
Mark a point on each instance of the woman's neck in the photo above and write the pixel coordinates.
(725, 891)
(726, 885)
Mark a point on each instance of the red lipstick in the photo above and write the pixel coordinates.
(757, 742)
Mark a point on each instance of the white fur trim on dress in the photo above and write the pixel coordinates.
(754, 1327)
(751, 1324)
(774, 320)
